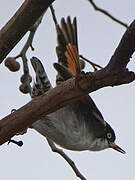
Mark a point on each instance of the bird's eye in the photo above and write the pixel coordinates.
(109, 135)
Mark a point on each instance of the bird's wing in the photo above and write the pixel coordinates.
(67, 48)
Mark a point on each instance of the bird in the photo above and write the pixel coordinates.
(78, 126)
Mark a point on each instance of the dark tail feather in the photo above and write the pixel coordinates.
(63, 71)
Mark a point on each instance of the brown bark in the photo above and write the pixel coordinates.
(20, 23)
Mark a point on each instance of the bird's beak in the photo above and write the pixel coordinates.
(115, 147)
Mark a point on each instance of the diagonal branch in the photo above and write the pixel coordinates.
(107, 14)
(125, 49)
(25, 86)
(94, 65)
(20, 23)
(68, 160)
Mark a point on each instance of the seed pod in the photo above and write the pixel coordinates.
(25, 77)
(12, 64)
(24, 88)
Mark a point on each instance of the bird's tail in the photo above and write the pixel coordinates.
(67, 49)
(68, 45)
(42, 83)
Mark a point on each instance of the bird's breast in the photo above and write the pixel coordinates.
(65, 129)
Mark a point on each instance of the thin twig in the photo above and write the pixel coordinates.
(95, 66)
(107, 14)
(53, 14)
(69, 161)
(29, 43)
(25, 86)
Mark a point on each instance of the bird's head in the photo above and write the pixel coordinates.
(110, 137)
(105, 138)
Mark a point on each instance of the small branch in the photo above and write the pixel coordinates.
(125, 49)
(69, 161)
(95, 66)
(25, 86)
(24, 50)
(53, 15)
(107, 14)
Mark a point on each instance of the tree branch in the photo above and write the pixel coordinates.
(125, 49)
(107, 14)
(94, 65)
(20, 23)
(67, 159)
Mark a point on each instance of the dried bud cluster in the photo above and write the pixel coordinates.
(25, 78)
(12, 64)
(25, 86)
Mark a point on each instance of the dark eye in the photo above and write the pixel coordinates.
(109, 135)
